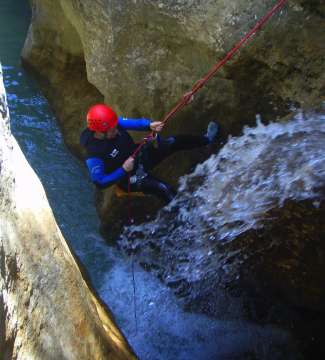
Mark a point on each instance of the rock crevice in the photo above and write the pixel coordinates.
(47, 309)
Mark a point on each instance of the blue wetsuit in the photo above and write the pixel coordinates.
(105, 157)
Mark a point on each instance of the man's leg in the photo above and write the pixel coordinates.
(167, 146)
(154, 186)
(151, 156)
(150, 185)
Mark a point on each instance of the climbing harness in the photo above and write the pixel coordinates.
(120, 193)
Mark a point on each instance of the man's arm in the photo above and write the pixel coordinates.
(134, 124)
(99, 177)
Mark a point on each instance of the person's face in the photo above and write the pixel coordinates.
(111, 133)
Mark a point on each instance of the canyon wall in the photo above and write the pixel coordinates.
(48, 309)
(140, 57)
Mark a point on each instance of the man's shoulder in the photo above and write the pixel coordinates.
(93, 146)
(86, 137)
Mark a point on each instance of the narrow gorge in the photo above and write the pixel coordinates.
(234, 266)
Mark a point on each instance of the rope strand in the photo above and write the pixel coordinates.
(186, 100)
(134, 297)
(200, 83)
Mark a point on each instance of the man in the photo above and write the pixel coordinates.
(109, 148)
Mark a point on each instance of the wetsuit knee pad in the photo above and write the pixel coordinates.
(166, 191)
(170, 140)
(150, 185)
(168, 143)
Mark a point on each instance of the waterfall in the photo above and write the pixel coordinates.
(228, 195)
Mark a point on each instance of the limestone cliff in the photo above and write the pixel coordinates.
(142, 55)
(47, 310)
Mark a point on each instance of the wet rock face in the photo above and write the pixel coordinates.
(141, 56)
(292, 260)
(281, 265)
(47, 310)
(247, 223)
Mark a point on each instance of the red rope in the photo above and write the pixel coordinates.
(200, 83)
(130, 218)
(146, 139)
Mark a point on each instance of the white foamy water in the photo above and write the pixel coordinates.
(254, 173)
(229, 194)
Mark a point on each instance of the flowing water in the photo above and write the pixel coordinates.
(164, 331)
(229, 194)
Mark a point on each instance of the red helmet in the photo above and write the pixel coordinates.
(101, 117)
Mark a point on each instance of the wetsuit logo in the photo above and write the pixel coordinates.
(114, 153)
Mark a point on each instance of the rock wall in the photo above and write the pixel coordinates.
(54, 53)
(47, 309)
(142, 55)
